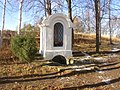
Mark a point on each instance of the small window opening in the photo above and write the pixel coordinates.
(58, 35)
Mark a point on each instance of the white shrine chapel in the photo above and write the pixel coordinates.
(56, 36)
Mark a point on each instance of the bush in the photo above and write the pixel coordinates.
(24, 47)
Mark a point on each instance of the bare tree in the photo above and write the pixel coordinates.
(20, 15)
(109, 1)
(58, 5)
(48, 5)
(3, 15)
(88, 16)
(101, 17)
(70, 17)
(97, 15)
(3, 20)
(45, 8)
(69, 9)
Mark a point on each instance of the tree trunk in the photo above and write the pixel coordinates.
(69, 10)
(100, 33)
(101, 16)
(45, 8)
(110, 22)
(97, 10)
(49, 11)
(3, 22)
(20, 16)
(88, 19)
(70, 16)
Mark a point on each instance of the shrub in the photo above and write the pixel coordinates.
(24, 47)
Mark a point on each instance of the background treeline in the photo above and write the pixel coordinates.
(90, 16)
(82, 12)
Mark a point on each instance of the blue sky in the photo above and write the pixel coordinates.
(11, 18)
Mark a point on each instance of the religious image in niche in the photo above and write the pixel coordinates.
(58, 35)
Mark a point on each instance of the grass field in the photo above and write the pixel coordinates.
(100, 72)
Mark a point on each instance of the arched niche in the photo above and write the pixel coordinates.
(58, 35)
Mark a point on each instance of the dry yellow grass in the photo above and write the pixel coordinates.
(82, 42)
(87, 42)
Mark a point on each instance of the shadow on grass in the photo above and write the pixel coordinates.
(14, 60)
(79, 53)
(93, 85)
(109, 64)
(35, 77)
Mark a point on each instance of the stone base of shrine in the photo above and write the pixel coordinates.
(50, 54)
